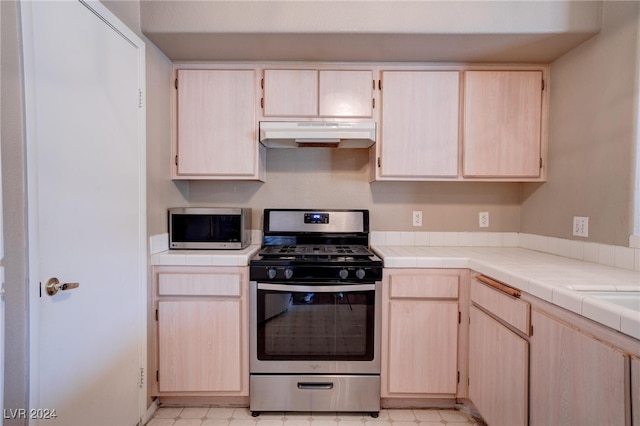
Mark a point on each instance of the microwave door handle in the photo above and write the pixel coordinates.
(316, 288)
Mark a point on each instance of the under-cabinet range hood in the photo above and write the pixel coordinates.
(323, 134)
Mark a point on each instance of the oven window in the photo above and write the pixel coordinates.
(315, 326)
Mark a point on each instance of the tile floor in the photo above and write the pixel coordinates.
(206, 416)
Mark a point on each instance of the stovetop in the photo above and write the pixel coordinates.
(314, 246)
(313, 251)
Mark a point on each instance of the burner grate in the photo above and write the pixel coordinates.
(316, 250)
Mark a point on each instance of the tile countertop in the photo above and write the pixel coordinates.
(556, 279)
(205, 257)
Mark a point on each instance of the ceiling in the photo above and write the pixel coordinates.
(369, 30)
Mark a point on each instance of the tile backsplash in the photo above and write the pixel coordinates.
(605, 254)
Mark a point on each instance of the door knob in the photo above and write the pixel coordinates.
(54, 285)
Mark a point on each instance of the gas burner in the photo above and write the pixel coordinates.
(315, 251)
(296, 249)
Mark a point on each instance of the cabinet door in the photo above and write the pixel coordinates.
(575, 379)
(200, 345)
(422, 347)
(498, 371)
(217, 125)
(346, 93)
(502, 123)
(419, 124)
(313, 93)
(635, 391)
(290, 93)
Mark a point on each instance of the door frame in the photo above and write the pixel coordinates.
(32, 197)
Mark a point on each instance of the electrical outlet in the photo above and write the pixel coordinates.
(580, 226)
(417, 218)
(483, 219)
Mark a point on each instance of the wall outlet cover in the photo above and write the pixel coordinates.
(580, 226)
(483, 219)
(417, 218)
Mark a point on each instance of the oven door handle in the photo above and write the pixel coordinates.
(316, 288)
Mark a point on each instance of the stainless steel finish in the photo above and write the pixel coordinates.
(314, 393)
(208, 210)
(316, 289)
(54, 285)
(304, 368)
(245, 232)
(293, 221)
(312, 367)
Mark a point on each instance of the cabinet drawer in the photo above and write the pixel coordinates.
(421, 286)
(510, 309)
(199, 285)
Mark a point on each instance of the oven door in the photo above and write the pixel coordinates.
(315, 328)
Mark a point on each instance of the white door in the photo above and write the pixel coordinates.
(2, 333)
(84, 72)
(1, 305)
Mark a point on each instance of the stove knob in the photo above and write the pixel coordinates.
(271, 273)
(343, 274)
(288, 273)
(360, 273)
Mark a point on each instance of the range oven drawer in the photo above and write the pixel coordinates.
(314, 393)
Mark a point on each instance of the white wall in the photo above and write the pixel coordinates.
(14, 215)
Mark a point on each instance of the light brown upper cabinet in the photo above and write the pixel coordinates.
(502, 130)
(310, 93)
(217, 125)
(419, 123)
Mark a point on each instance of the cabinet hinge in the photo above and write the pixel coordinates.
(156, 315)
(262, 103)
(262, 83)
(531, 331)
(458, 377)
(140, 98)
(459, 317)
(380, 84)
(373, 103)
(542, 84)
(379, 162)
(540, 162)
(157, 375)
(176, 83)
(374, 84)
(176, 160)
(141, 383)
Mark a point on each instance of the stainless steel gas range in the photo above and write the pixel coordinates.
(315, 290)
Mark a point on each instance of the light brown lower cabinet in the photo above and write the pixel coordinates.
(202, 323)
(420, 333)
(635, 391)
(498, 371)
(575, 379)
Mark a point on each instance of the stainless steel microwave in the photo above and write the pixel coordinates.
(209, 228)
